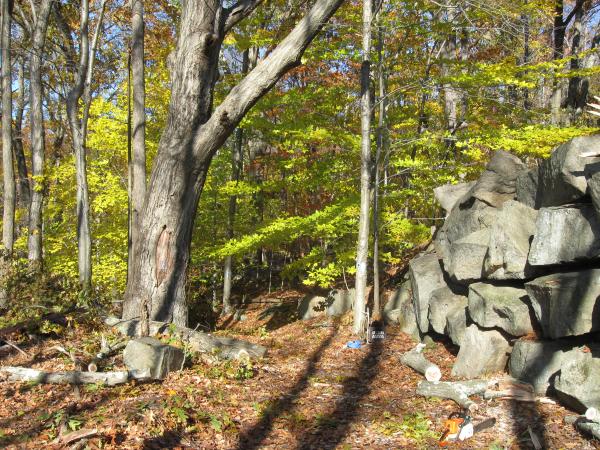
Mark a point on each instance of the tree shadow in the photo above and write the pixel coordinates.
(333, 428)
(252, 439)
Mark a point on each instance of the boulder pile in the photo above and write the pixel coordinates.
(513, 275)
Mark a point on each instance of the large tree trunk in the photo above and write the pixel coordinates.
(190, 139)
(36, 120)
(137, 163)
(362, 251)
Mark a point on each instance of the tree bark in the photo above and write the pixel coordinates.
(236, 170)
(23, 191)
(458, 391)
(78, 126)
(137, 163)
(191, 138)
(72, 377)
(417, 361)
(8, 216)
(362, 251)
(36, 120)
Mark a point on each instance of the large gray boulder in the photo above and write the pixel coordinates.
(566, 304)
(467, 256)
(482, 352)
(449, 194)
(592, 174)
(442, 303)
(538, 362)
(340, 301)
(501, 307)
(456, 325)
(565, 234)
(399, 297)
(578, 384)
(147, 353)
(425, 276)
(400, 310)
(527, 187)
(562, 177)
(497, 184)
(508, 247)
(311, 306)
(462, 221)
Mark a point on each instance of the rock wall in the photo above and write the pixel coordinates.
(513, 277)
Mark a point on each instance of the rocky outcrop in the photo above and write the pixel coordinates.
(467, 255)
(311, 306)
(449, 194)
(577, 384)
(444, 302)
(425, 276)
(566, 304)
(340, 301)
(456, 325)
(508, 246)
(565, 234)
(562, 176)
(501, 307)
(539, 362)
(481, 352)
(527, 187)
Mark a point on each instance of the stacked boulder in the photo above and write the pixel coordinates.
(513, 275)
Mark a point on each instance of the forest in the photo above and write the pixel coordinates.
(300, 224)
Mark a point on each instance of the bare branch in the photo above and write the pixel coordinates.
(238, 12)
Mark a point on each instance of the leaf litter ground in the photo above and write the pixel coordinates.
(311, 392)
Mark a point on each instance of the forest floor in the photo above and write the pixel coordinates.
(311, 392)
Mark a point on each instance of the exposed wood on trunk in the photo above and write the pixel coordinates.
(417, 361)
(458, 391)
(71, 377)
(191, 138)
(222, 347)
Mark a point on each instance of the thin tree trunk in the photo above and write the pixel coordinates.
(362, 251)
(23, 191)
(236, 170)
(575, 101)
(82, 88)
(381, 137)
(8, 216)
(36, 120)
(137, 167)
(191, 138)
(526, 56)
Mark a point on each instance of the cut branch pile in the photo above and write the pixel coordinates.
(458, 391)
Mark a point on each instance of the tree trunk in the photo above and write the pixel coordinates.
(576, 94)
(78, 126)
(137, 163)
(381, 138)
(8, 216)
(190, 139)
(362, 251)
(236, 170)
(23, 191)
(36, 120)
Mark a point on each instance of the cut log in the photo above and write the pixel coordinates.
(417, 361)
(222, 347)
(584, 425)
(106, 350)
(71, 377)
(458, 391)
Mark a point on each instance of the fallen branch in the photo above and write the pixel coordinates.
(512, 389)
(582, 424)
(415, 360)
(221, 347)
(10, 344)
(71, 377)
(106, 350)
(458, 391)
